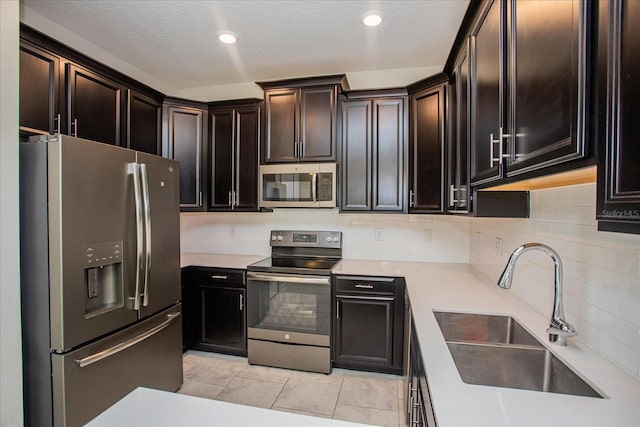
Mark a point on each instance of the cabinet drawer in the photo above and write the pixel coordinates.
(220, 277)
(365, 285)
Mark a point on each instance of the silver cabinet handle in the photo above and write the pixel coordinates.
(146, 204)
(363, 286)
(229, 198)
(133, 169)
(56, 121)
(302, 150)
(310, 280)
(220, 277)
(295, 149)
(75, 127)
(412, 199)
(96, 357)
(337, 309)
(235, 199)
(241, 302)
(501, 137)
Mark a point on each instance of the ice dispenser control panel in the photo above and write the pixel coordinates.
(103, 276)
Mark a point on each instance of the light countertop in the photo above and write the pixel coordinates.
(459, 287)
(148, 407)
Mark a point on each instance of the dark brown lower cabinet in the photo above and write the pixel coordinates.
(368, 328)
(214, 301)
(419, 410)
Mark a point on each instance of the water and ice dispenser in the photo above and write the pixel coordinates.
(103, 277)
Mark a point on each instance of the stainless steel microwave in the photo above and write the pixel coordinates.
(300, 185)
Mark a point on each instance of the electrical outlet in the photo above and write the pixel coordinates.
(427, 235)
(379, 234)
(498, 246)
(232, 231)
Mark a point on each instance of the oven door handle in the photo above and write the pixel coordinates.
(309, 280)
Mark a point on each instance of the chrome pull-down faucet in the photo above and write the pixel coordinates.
(559, 329)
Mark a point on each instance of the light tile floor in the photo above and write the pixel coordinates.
(363, 397)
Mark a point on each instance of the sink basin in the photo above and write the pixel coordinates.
(525, 368)
(497, 351)
(486, 328)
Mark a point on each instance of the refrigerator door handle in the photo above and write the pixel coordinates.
(96, 357)
(147, 231)
(134, 170)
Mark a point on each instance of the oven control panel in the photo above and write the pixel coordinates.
(311, 239)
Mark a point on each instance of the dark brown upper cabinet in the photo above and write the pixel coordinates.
(457, 188)
(235, 135)
(144, 123)
(374, 151)
(184, 124)
(528, 86)
(40, 103)
(63, 91)
(300, 117)
(426, 146)
(618, 109)
(95, 106)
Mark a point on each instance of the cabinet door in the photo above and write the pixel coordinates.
(458, 181)
(185, 145)
(95, 105)
(389, 148)
(317, 124)
(39, 90)
(427, 150)
(247, 136)
(364, 333)
(547, 84)
(281, 121)
(487, 97)
(144, 115)
(223, 319)
(356, 156)
(222, 158)
(618, 207)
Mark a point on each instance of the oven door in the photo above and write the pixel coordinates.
(289, 308)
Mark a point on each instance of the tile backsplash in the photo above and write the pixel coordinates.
(365, 236)
(601, 270)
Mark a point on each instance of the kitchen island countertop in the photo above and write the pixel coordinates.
(148, 407)
(460, 287)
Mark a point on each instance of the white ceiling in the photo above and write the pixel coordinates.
(174, 41)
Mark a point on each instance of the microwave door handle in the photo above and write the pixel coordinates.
(315, 186)
(133, 169)
(146, 203)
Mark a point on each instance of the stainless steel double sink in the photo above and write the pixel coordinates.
(497, 351)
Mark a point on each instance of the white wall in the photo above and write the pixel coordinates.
(601, 270)
(365, 236)
(11, 354)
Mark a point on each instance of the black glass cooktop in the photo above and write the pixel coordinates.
(294, 265)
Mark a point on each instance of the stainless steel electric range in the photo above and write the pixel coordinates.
(289, 301)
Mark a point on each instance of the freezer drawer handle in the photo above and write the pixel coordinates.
(89, 360)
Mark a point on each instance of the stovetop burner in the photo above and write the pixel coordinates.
(302, 252)
(293, 265)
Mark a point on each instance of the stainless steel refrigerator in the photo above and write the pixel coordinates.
(100, 277)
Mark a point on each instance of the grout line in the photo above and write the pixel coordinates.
(333, 413)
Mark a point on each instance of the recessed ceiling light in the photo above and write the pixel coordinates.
(227, 37)
(372, 18)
